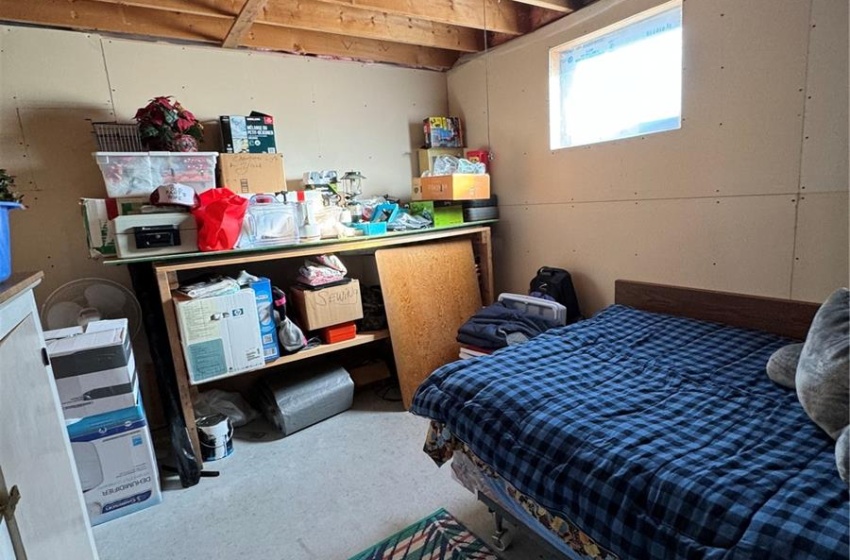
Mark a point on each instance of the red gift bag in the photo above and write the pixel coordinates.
(219, 217)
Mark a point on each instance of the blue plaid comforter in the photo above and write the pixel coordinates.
(659, 436)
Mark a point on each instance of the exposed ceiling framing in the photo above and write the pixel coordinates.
(415, 33)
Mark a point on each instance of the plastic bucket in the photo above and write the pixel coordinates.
(5, 239)
(215, 433)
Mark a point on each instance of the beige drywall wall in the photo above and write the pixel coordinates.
(750, 195)
(328, 115)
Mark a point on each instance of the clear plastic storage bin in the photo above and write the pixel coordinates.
(128, 174)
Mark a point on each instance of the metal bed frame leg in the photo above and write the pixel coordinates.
(502, 537)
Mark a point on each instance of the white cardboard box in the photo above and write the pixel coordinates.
(116, 463)
(220, 335)
(94, 368)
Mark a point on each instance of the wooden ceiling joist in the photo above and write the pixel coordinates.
(491, 15)
(92, 15)
(564, 6)
(418, 33)
(308, 42)
(312, 15)
(242, 24)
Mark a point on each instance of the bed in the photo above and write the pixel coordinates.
(648, 431)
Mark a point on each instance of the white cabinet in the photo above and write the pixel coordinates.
(50, 519)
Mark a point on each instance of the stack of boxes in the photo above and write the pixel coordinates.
(250, 162)
(227, 334)
(98, 387)
(440, 196)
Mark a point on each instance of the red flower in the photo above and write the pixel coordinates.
(161, 120)
(184, 124)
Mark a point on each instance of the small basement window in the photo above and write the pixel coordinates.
(621, 81)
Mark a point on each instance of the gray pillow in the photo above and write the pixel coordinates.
(823, 385)
(842, 454)
(782, 366)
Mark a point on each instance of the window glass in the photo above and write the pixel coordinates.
(621, 81)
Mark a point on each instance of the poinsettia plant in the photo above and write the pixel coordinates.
(166, 125)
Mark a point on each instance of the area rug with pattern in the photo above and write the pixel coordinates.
(437, 537)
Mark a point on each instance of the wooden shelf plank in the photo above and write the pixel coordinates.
(192, 261)
(360, 338)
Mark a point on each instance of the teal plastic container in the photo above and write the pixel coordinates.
(5, 239)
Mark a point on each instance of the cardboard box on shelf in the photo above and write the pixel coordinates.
(252, 173)
(328, 306)
(460, 186)
(442, 213)
(220, 335)
(427, 157)
(265, 309)
(248, 134)
(94, 368)
(116, 463)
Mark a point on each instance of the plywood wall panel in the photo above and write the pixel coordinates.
(328, 114)
(38, 77)
(711, 205)
(49, 235)
(825, 146)
(705, 243)
(742, 71)
(820, 255)
(467, 90)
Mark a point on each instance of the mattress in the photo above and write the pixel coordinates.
(657, 436)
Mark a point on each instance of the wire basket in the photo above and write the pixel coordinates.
(114, 137)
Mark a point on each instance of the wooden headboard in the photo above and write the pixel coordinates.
(784, 317)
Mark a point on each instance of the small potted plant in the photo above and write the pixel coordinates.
(165, 125)
(9, 200)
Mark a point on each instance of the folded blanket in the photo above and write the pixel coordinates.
(497, 325)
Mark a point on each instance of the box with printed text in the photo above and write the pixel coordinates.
(220, 335)
(116, 463)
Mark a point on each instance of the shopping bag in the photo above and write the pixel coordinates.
(219, 217)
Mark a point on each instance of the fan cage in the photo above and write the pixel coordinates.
(115, 137)
(68, 291)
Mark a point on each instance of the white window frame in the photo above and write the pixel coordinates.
(555, 93)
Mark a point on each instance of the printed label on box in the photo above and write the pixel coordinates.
(220, 335)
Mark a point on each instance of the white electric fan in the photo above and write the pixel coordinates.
(79, 302)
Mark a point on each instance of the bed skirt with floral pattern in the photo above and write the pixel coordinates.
(441, 446)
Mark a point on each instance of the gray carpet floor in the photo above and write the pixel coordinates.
(324, 493)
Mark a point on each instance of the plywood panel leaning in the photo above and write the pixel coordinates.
(429, 291)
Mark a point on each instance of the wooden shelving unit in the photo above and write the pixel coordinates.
(155, 277)
(360, 338)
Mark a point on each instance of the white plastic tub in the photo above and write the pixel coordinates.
(128, 174)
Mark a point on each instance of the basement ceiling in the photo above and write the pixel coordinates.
(431, 34)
